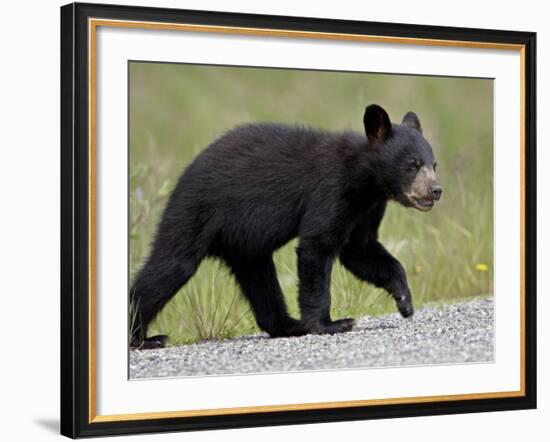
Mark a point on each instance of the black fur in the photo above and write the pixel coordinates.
(259, 186)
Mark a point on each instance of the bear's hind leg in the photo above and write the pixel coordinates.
(258, 281)
(157, 282)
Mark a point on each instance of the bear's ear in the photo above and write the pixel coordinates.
(377, 124)
(411, 120)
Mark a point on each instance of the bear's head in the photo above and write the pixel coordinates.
(403, 161)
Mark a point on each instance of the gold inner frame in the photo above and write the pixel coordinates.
(93, 24)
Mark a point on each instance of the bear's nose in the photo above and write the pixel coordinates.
(436, 192)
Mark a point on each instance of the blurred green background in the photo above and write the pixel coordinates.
(177, 110)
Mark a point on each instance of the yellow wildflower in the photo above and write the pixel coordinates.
(482, 267)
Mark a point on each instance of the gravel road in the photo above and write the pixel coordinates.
(457, 333)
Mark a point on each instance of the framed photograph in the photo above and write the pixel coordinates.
(274, 220)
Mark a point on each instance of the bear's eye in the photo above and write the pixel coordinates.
(435, 165)
(415, 165)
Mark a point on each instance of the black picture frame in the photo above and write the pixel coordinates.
(76, 418)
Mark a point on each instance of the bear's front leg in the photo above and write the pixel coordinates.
(371, 262)
(314, 270)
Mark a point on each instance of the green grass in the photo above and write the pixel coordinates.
(177, 110)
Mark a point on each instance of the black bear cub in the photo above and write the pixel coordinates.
(261, 185)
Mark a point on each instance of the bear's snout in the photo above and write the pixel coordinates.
(436, 192)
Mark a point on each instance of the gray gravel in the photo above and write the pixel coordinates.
(457, 333)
